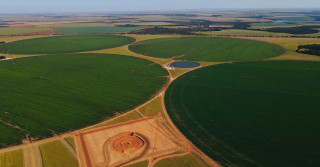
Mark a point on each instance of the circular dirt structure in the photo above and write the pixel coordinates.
(127, 142)
(184, 64)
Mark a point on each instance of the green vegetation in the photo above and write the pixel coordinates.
(271, 24)
(207, 49)
(251, 113)
(244, 33)
(184, 161)
(70, 140)
(139, 164)
(97, 30)
(55, 154)
(22, 30)
(309, 49)
(11, 159)
(64, 44)
(295, 30)
(68, 92)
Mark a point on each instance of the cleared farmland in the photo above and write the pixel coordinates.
(46, 95)
(207, 49)
(251, 113)
(64, 44)
(22, 30)
(96, 30)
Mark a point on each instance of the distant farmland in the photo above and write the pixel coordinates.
(64, 44)
(251, 113)
(96, 30)
(207, 49)
(49, 95)
(21, 30)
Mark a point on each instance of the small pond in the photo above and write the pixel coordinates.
(184, 64)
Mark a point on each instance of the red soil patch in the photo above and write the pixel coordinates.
(126, 142)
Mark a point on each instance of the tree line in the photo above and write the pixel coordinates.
(309, 49)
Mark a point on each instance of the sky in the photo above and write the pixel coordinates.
(78, 6)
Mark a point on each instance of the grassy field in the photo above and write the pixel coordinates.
(206, 49)
(11, 159)
(139, 164)
(22, 30)
(97, 30)
(287, 43)
(18, 38)
(67, 92)
(253, 33)
(184, 161)
(64, 44)
(251, 113)
(71, 141)
(152, 108)
(55, 154)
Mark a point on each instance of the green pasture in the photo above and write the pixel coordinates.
(96, 30)
(251, 113)
(64, 44)
(47, 95)
(207, 49)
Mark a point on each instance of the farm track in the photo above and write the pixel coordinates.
(32, 156)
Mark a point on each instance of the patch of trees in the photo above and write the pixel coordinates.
(127, 25)
(295, 30)
(2, 57)
(309, 49)
(241, 25)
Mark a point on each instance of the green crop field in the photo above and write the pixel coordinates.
(251, 113)
(51, 94)
(207, 49)
(96, 30)
(55, 154)
(64, 44)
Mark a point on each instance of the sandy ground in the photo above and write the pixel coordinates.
(32, 156)
(96, 151)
